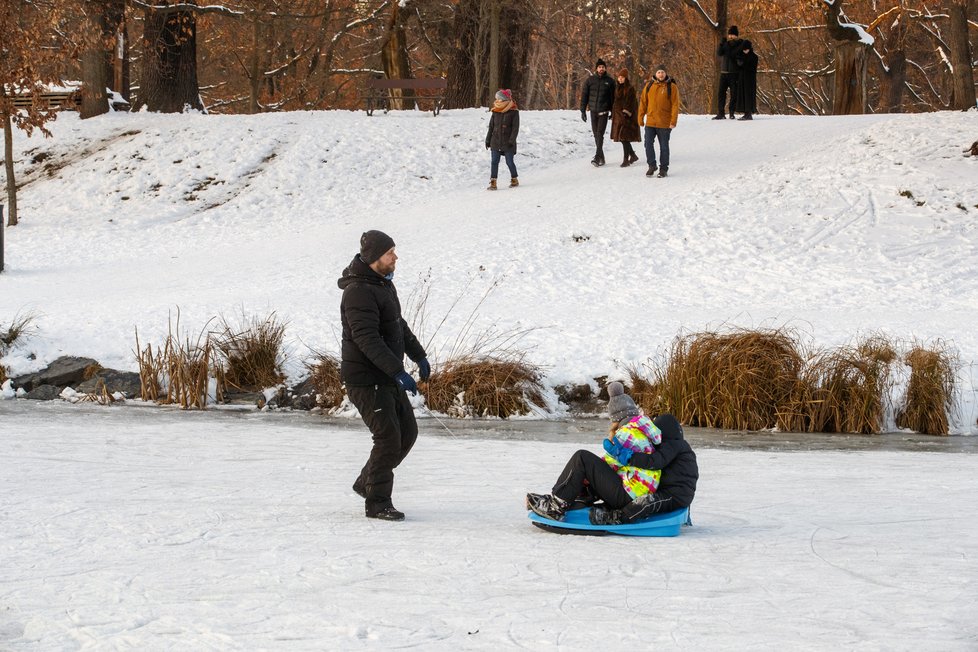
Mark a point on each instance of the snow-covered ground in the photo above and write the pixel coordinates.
(837, 226)
(154, 529)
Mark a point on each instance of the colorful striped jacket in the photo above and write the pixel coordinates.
(641, 436)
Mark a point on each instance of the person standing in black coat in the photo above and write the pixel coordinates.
(677, 484)
(747, 91)
(375, 339)
(729, 52)
(504, 127)
(598, 95)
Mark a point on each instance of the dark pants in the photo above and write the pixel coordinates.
(585, 472)
(628, 150)
(388, 414)
(650, 504)
(651, 133)
(728, 81)
(494, 167)
(599, 122)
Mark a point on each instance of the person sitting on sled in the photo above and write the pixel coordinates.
(587, 478)
(677, 485)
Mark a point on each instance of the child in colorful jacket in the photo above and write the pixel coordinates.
(587, 477)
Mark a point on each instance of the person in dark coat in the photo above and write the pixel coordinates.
(504, 127)
(747, 91)
(598, 96)
(624, 119)
(375, 339)
(729, 52)
(677, 484)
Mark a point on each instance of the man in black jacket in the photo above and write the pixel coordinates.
(677, 485)
(375, 339)
(598, 95)
(730, 54)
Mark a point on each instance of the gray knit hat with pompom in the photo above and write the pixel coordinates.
(620, 404)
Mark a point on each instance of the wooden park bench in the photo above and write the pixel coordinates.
(61, 99)
(378, 92)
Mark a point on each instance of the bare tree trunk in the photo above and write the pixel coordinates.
(893, 76)
(851, 58)
(394, 57)
(104, 18)
(494, 11)
(850, 78)
(962, 74)
(120, 58)
(461, 92)
(8, 157)
(721, 35)
(169, 70)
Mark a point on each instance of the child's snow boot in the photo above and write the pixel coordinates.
(605, 516)
(492, 184)
(548, 506)
(514, 182)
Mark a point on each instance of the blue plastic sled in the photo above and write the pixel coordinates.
(576, 522)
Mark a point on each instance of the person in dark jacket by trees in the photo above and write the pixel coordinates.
(375, 339)
(598, 95)
(504, 127)
(677, 484)
(729, 52)
(747, 90)
(624, 121)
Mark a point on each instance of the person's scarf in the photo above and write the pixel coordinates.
(502, 106)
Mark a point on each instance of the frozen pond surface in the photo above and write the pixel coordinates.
(144, 528)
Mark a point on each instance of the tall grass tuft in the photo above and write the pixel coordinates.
(485, 386)
(485, 373)
(21, 327)
(179, 371)
(251, 352)
(844, 389)
(930, 391)
(731, 380)
(324, 370)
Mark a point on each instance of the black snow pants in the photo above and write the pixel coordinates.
(728, 82)
(388, 414)
(584, 473)
(599, 122)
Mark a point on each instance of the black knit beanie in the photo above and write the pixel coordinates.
(733, 31)
(373, 245)
(600, 63)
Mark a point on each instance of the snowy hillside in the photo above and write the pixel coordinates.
(838, 226)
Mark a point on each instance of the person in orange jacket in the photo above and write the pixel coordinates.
(658, 112)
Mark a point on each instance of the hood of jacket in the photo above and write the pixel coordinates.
(359, 271)
(669, 426)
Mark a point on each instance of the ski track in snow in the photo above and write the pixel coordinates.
(192, 531)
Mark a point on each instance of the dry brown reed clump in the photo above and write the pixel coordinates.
(179, 372)
(731, 380)
(484, 386)
(845, 389)
(251, 352)
(930, 390)
(20, 328)
(324, 370)
(3, 374)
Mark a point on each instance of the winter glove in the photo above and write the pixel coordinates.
(617, 451)
(424, 369)
(407, 383)
(584, 116)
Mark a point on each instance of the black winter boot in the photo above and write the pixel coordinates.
(547, 506)
(652, 169)
(663, 171)
(605, 516)
(386, 514)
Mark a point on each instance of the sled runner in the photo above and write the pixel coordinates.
(576, 522)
